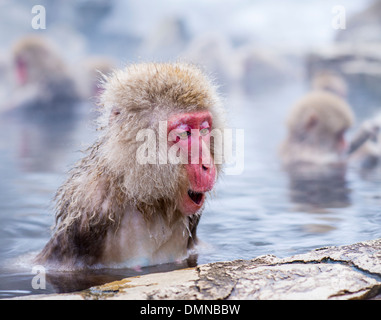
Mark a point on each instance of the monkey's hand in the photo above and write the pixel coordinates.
(368, 132)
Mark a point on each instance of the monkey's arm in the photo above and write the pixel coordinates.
(368, 131)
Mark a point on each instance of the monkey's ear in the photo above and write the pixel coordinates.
(311, 122)
(115, 112)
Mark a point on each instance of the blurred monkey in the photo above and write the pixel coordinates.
(314, 151)
(43, 80)
(316, 126)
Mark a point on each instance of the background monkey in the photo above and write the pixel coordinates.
(44, 82)
(316, 126)
(113, 210)
(314, 152)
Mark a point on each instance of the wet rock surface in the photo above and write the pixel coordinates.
(345, 272)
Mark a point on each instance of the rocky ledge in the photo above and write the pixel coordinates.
(345, 272)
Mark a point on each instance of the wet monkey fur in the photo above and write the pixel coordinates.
(114, 211)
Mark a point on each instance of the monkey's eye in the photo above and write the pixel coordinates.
(184, 135)
(204, 131)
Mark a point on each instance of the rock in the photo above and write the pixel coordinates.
(345, 272)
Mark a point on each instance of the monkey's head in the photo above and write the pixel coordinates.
(329, 81)
(165, 113)
(35, 60)
(319, 121)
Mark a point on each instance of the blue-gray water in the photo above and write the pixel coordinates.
(258, 212)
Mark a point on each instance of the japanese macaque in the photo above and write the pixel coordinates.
(316, 127)
(116, 211)
(42, 76)
(314, 152)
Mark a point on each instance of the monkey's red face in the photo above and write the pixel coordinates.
(191, 133)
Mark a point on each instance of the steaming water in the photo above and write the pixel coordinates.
(258, 212)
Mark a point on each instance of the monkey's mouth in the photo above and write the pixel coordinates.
(196, 197)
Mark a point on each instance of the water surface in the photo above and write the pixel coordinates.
(261, 211)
